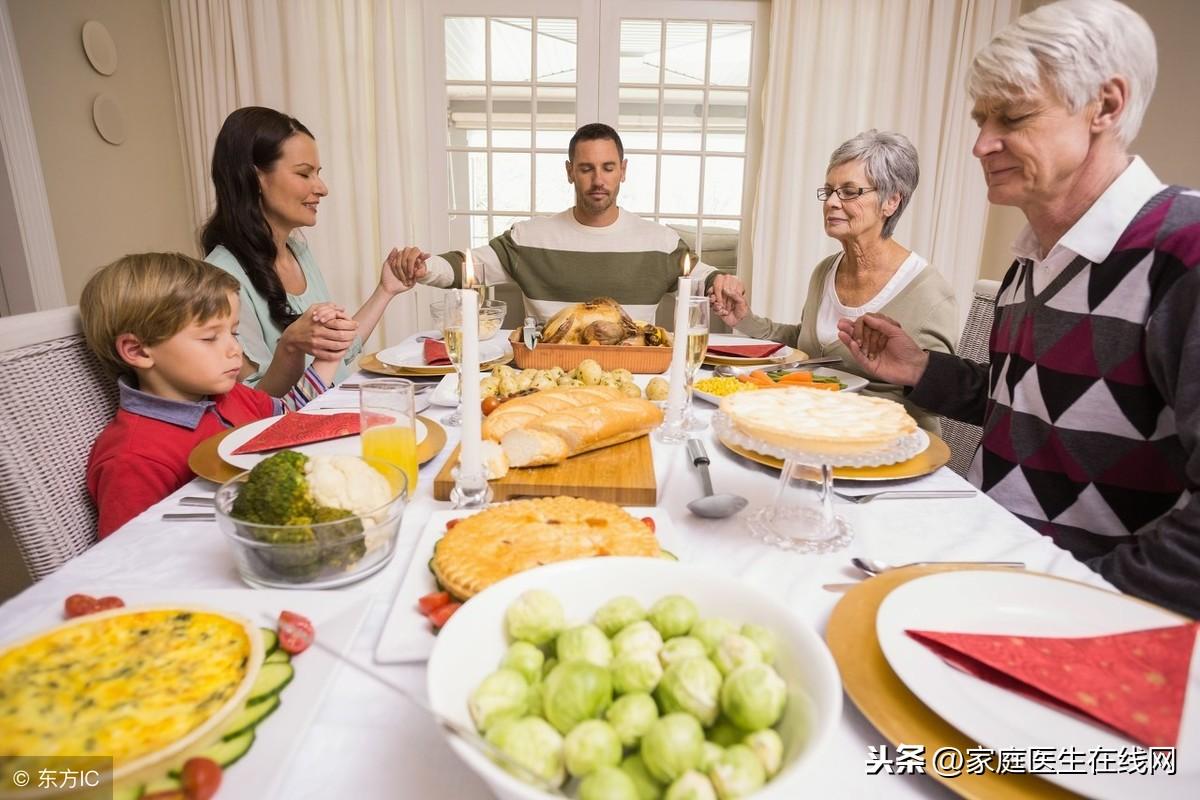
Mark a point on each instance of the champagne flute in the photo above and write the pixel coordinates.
(447, 316)
(697, 345)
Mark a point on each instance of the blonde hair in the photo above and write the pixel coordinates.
(152, 296)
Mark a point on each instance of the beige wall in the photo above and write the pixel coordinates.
(1169, 133)
(105, 200)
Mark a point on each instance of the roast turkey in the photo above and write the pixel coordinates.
(601, 321)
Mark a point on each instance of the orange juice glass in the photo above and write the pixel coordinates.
(388, 423)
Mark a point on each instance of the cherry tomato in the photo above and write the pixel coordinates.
(489, 404)
(432, 602)
(79, 604)
(201, 777)
(649, 523)
(440, 616)
(295, 632)
(450, 523)
(105, 603)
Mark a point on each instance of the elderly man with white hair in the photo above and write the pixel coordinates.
(1090, 404)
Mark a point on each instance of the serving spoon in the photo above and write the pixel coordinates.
(712, 506)
(724, 370)
(873, 567)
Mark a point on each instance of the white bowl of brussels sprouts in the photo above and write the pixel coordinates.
(634, 678)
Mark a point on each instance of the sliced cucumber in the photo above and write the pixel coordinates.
(129, 792)
(270, 641)
(225, 753)
(667, 554)
(170, 784)
(271, 680)
(280, 656)
(250, 716)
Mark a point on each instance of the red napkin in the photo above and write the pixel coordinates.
(435, 353)
(744, 350)
(1132, 682)
(297, 428)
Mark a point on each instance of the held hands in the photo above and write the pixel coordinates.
(881, 346)
(408, 266)
(324, 331)
(727, 296)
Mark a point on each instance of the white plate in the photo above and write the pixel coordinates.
(852, 383)
(342, 446)
(1029, 605)
(336, 617)
(410, 353)
(782, 354)
(407, 635)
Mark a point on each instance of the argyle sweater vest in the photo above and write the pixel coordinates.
(1078, 439)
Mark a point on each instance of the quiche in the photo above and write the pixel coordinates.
(512, 537)
(140, 685)
(833, 423)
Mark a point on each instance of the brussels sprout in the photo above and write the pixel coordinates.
(679, 648)
(533, 701)
(647, 787)
(635, 638)
(725, 733)
(738, 773)
(608, 783)
(525, 659)
(631, 716)
(590, 745)
(636, 672)
(767, 745)
(691, 785)
(673, 615)
(617, 613)
(692, 686)
(502, 694)
(711, 631)
(575, 691)
(584, 643)
(768, 643)
(753, 697)
(535, 617)
(709, 756)
(549, 666)
(672, 746)
(533, 744)
(734, 651)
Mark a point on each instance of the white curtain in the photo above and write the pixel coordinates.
(352, 72)
(838, 67)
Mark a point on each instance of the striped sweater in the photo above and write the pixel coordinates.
(556, 261)
(1091, 404)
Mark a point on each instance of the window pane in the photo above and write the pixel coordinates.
(510, 181)
(730, 54)
(464, 49)
(640, 47)
(637, 117)
(727, 121)
(479, 231)
(511, 53)
(553, 192)
(502, 224)
(686, 43)
(682, 117)
(467, 176)
(637, 192)
(680, 185)
(723, 185)
(556, 51)
(512, 116)
(555, 115)
(466, 116)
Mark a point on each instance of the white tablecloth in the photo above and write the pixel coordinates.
(368, 743)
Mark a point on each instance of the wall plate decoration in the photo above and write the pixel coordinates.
(99, 47)
(110, 124)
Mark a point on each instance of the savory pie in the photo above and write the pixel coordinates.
(834, 423)
(505, 539)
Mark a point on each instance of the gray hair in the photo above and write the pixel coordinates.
(1074, 46)
(891, 163)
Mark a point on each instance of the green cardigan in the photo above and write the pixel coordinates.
(925, 307)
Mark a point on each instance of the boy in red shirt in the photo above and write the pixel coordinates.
(166, 326)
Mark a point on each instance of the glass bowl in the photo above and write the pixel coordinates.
(316, 556)
(491, 316)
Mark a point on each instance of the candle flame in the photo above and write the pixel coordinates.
(686, 264)
(468, 280)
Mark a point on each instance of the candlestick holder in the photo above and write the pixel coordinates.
(672, 430)
(470, 491)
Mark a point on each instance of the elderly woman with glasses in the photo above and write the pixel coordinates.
(868, 184)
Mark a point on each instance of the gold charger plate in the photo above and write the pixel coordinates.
(894, 710)
(371, 363)
(790, 354)
(206, 462)
(928, 460)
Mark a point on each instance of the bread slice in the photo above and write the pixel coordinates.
(526, 447)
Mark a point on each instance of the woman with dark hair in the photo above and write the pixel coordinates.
(266, 171)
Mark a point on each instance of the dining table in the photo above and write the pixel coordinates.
(361, 739)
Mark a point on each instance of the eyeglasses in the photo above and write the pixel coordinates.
(844, 193)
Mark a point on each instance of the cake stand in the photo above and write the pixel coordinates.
(809, 527)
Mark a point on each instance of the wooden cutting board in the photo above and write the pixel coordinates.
(621, 474)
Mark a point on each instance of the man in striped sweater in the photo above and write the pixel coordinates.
(1090, 405)
(591, 250)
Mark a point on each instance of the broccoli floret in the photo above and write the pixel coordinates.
(276, 492)
(342, 544)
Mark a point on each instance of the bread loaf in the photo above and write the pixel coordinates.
(519, 412)
(554, 437)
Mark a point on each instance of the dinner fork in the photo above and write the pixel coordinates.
(904, 494)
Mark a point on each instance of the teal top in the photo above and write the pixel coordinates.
(259, 334)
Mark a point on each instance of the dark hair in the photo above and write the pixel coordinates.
(593, 131)
(251, 139)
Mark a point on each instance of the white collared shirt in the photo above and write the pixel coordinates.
(1095, 234)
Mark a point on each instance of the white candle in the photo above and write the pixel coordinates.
(675, 396)
(470, 462)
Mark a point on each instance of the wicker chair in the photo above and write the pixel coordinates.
(55, 399)
(963, 437)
